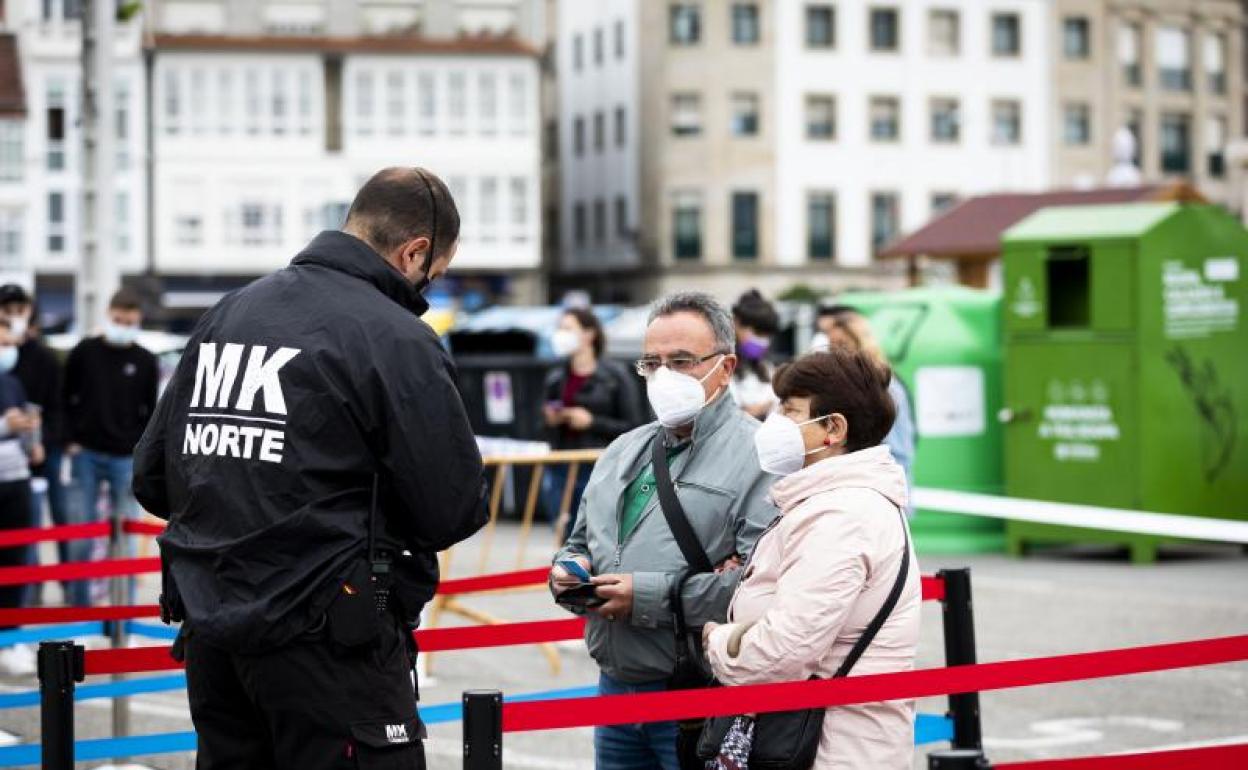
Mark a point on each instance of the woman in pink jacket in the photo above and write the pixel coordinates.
(822, 571)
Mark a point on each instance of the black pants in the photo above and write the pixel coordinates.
(308, 706)
(14, 514)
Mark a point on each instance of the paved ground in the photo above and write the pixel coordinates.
(1050, 603)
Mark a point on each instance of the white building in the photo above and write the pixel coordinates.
(268, 119)
(41, 153)
(780, 142)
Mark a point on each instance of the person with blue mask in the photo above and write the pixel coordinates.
(111, 384)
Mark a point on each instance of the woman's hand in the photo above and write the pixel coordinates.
(553, 415)
(706, 633)
(578, 418)
(729, 564)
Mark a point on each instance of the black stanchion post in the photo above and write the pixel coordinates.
(483, 730)
(120, 590)
(60, 666)
(960, 651)
(957, 759)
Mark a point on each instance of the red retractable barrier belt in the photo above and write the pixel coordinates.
(142, 528)
(501, 580)
(10, 538)
(474, 637)
(37, 615)
(687, 704)
(16, 576)
(1206, 758)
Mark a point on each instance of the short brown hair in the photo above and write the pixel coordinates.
(125, 299)
(844, 382)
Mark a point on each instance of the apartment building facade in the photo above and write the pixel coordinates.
(780, 142)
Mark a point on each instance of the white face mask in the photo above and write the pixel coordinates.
(120, 335)
(677, 398)
(820, 343)
(781, 449)
(19, 325)
(8, 358)
(565, 342)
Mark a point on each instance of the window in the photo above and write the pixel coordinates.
(745, 225)
(578, 136)
(685, 23)
(121, 123)
(519, 196)
(884, 30)
(687, 226)
(943, 33)
(197, 101)
(942, 202)
(12, 162)
(305, 103)
(885, 218)
(489, 208)
(1007, 37)
(1176, 143)
(10, 239)
(1135, 124)
(457, 101)
(518, 93)
(395, 103)
(885, 118)
(578, 53)
(1215, 146)
(56, 125)
(487, 99)
(578, 224)
(821, 226)
(1129, 37)
(745, 23)
(1076, 124)
(551, 138)
(173, 103)
(225, 102)
(427, 101)
(598, 46)
(121, 212)
(188, 230)
(1174, 59)
(364, 103)
(619, 40)
(1215, 63)
(600, 131)
(946, 123)
(1076, 39)
(820, 117)
(600, 220)
(56, 222)
(820, 26)
(686, 114)
(621, 218)
(258, 224)
(621, 126)
(745, 114)
(1007, 122)
(252, 106)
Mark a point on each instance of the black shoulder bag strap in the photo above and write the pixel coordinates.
(677, 521)
(886, 609)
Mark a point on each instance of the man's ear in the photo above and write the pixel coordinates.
(414, 251)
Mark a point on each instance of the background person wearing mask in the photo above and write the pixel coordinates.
(110, 393)
(589, 402)
(756, 322)
(822, 572)
(39, 371)
(19, 448)
(841, 325)
(622, 537)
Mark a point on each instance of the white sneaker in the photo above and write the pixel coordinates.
(18, 660)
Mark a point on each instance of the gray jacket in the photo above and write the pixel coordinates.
(725, 496)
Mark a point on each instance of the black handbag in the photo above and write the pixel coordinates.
(789, 740)
(691, 672)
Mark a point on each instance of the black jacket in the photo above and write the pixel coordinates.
(110, 394)
(40, 374)
(611, 397)
(293, 393)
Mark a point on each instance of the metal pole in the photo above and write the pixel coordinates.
(97, 275)
(959, 630)
(60, 666)
(483, 730)
(119, 595)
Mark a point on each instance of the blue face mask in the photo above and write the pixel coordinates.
(8, 358)
(117, 334)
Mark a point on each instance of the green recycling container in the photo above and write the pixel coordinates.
(945, 346)
(1126, 365)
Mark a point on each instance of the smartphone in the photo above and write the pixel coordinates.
(574, 568)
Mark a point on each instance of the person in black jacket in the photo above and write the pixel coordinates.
(312, 456)
(590, 401)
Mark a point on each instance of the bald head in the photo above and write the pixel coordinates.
(409, 217)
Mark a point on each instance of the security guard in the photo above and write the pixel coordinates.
(312, 455)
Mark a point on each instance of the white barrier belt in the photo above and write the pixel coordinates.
(1086, 516)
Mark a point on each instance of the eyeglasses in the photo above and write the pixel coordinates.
(684, 364)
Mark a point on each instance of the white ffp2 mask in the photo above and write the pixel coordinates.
(677, 398)
(781, 449)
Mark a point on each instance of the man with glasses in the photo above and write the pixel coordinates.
(622, 537)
